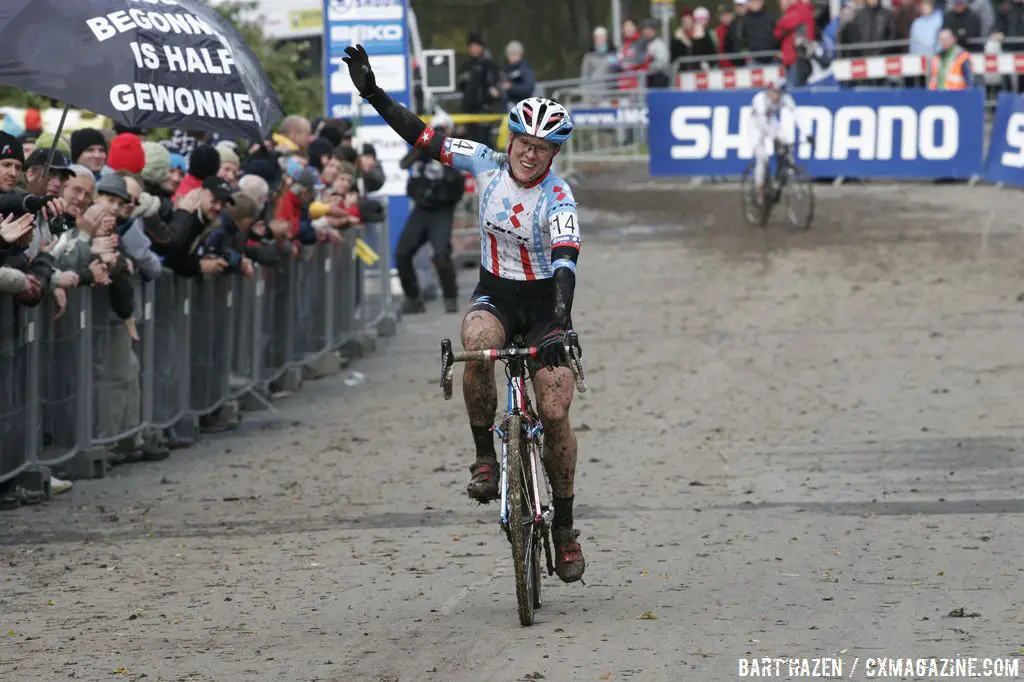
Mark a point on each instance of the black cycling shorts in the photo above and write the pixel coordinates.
(524, 308)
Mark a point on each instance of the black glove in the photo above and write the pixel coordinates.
(359, 70)
(551, 349)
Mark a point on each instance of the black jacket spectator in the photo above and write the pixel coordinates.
(847, 37)
(875, 24)
(432, 185)
(1011, 24)
(477, 76)
(758, 29)
(521, 81)
(966, 26)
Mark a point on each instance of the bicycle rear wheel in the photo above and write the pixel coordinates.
(799, 199)
(754, 213)
(520, 522)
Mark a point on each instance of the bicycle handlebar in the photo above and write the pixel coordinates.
(449, 358)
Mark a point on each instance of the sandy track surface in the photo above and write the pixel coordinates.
(794, 445)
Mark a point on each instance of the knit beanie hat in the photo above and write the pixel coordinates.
(319, 148)
(45, 141)
(10, 147)
(126, 153)
(83, 139)
(33, 121)
(331, 134)
(158, 162)
(228, 155)
(204, 161)
(178, 162)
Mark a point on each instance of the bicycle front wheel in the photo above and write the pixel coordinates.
(520, 524)
(799, 198)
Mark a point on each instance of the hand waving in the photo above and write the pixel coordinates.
(359, 70)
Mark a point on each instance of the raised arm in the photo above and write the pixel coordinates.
(401, 120)
(463, 155)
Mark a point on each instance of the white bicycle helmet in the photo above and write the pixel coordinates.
(543, 118)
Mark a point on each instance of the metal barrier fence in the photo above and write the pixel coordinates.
(74, 386)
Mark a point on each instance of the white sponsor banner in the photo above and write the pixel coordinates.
(390, 150)
(363, 10)
(390, 71)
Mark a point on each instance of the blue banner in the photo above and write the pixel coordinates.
(1005, 162)
(878, 133)
(380, 26)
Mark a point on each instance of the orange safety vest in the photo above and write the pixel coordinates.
(954, 76)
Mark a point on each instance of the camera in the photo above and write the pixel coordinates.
(61, 224)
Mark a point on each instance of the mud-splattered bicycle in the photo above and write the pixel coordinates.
(789, 185)
(525, 503)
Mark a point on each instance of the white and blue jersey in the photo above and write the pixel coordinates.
(519, 224)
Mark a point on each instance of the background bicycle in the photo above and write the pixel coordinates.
(786, 182)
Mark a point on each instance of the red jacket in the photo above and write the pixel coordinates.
(799, 14)
(289, 208)
(631, 81)
(188, 183)
(720, 32)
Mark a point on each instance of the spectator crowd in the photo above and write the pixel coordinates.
(802, 37)
(111, 210)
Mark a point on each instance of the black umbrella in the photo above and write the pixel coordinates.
(143, 63)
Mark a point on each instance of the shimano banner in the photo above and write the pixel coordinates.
(880, 133)
(1005, 162)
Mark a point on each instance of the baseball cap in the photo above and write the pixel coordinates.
(114, 185)
(37, 159)
(219, 188)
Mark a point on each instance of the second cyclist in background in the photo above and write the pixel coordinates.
(766, 128)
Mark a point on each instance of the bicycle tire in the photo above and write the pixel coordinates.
(538, 530)
(517, 533)
(799, 178)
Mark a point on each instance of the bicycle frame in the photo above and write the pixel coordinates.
(517, 404)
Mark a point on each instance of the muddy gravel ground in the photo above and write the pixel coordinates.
(795, 444)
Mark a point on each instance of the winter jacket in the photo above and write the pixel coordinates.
(759, 32)
(289, 207)
(136, 245)
(188, 183)
(986, 15)
(189, 231)
(12, 281)
(599, 64)
(73, 252)
(1011, 24)
(431, 184)
(797, 21)
(521, 81)
(924, 34)
(966, 26)
(726, 39)
(874, 25)
(231, 244)
(475, 80)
